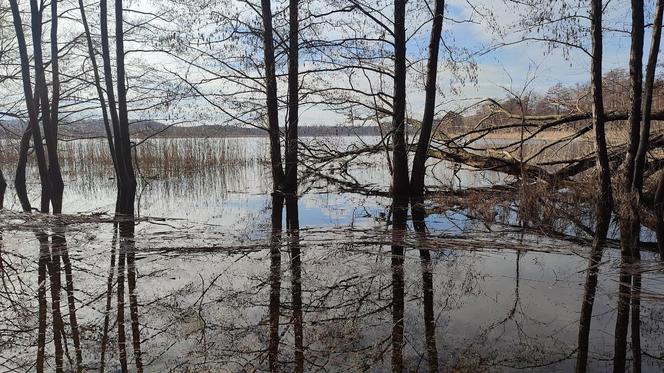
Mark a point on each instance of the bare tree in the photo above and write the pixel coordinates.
(419, 161)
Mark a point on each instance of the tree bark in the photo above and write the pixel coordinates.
(31, 103)
(271, 97)
(419, 162)
(399, 151)
(55, 183)
(293, 99)
(648, 97)
(19, 179)
(647, 111)
(128, 189)
(99, 87)
(604, 202)
(110, 92)
(636, 88)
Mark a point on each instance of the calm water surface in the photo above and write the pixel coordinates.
(211, 288)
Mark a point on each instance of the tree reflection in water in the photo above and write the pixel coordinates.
(378, 299)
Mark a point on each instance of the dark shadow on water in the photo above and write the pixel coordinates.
(275, 303)
(419, 222)
(399, 230)
(275, 281)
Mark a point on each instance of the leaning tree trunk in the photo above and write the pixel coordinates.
(100, 89)
(419, 162)
(271, 97)
(399, 152)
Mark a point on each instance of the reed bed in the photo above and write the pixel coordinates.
(157, 156)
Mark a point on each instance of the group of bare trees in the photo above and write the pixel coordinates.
(42, 96)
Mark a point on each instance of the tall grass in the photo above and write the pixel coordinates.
(157, 156)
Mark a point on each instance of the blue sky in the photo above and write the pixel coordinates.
(552, 66)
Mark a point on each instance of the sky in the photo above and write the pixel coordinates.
(509, 67)
(503, 68)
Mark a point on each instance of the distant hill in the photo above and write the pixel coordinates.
(95, 128)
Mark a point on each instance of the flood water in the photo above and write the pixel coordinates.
(205, 283)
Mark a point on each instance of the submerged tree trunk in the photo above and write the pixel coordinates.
(647, 110)
(293, 115)
(55, 173)
(604, 200)
(628, 213)
(420, 159)
(637, 183)
(122, 176)
(271, 97)
(399, 152)
(128, 188)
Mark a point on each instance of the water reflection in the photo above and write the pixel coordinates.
(419, 222)
(342, 283)
(305, 300)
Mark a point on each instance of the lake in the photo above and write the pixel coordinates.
(209, 286)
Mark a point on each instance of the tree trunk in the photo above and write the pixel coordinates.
(55, 183)
(399, 152)
(419, 162)
(100, 90)
(648, 97)
(647, 110)
(636, 88)
(19, 179)
(128, 189)
(272, 100)
(293, 100)
(31, 103)
(604, 201)
(112, 107)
